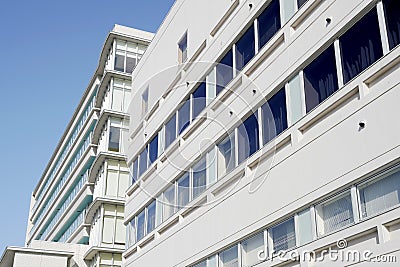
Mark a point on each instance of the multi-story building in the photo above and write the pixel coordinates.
(265, 130)
(77, 208)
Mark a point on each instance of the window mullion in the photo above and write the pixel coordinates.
(339, 67)
(382, 28)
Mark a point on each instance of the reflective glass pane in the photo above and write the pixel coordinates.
(245, 48)
(269, 22)
(224, 71)
(392, 15)
(274, 115)
(199, 99)
(248, 138)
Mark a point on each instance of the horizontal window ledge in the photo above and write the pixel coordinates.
(197, 203)
(224, 18)
(132, 189)
(170, 150)
(152, 110)
(264, 53)
(387, 64)
(130, 251)
(194, 126)
(137, 129)
(339, 101)
(169, 224)
(104, 83)
(195, 55)
(230, 88)
(270, 149)
(146, 240)
(309, 8)
(95, 249)
(97, 202)
(149, 172)
(173, 84)
(227, 181)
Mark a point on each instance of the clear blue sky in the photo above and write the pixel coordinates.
(49, 52)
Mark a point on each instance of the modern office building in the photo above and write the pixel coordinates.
(77, 208)
(264, 130)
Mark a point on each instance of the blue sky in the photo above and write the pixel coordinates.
(49, 52)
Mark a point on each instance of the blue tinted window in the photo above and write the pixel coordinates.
(119, 63)
(153, 150)
(134, 170)
(184, 116)
(199, 178)
(140, 226)
(392, 15)
(143, 161)
(274, 115)
(183, 191)
(245, 48)
(151, 217)
(170, 131)
(360, 46)
(199, 99)
(224, 71)
(269, 22)
(301, 2)
(320, 78)
(248, 141)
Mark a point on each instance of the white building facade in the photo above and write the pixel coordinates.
(77, 208)
(263, 131)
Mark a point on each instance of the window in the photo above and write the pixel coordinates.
(143, 161)
(182, 49)
(268, 23)
(274, 116)
(183, 191)
(304, 225)
(170, 131)
(283, 236)
(224, 71)
(199, 178)
(151, 217)
(140, 226)
(320, 78)
(248, 141)
(380, 195)
(132, 232)
(134, 170)
(113, 144)
(145, 102)
(119, 62)
(153, 150)
(184, 116)
(169, 202)
(245, 48)
(113, 225)
(229, 257)
(201, 264)
(392, 15)
(300, 3)
(334, 214)
(360, 46)
(199, 99)
(130, 62)
(226, 155)
(251, 247)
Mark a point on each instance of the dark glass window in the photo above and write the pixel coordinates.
(140, 226)
(224, 71)
(274, 115)
(182, 46)
(301, 2)
(130, 64)
(119, 63)
(199, 178)
(360, 46)
(245, 48)
(134, 170)
(269, 22)
(320, 78)
(199, 99)
(226, 155)
(113, 144)
(184, 116)
(143, 159)
(248, 141)
(153, 150)
(170, 131)
(151, 217)
(392, 15)
(183, 191)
